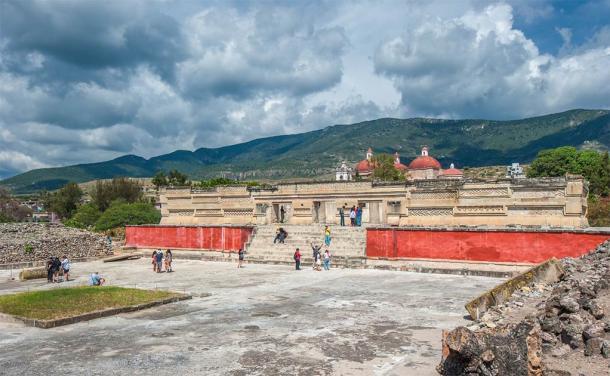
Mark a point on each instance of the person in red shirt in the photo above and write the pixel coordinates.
(297, 259)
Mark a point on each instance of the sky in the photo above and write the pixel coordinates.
(85, 81)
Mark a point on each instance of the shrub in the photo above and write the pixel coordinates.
(85, 217)
(122, 213)
(599, 212)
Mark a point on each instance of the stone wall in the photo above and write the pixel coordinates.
(27, 242)
(555, 202)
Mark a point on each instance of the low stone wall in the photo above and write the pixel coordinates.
(30, 242)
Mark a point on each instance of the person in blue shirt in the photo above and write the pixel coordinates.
(159, 259)
(95, 279)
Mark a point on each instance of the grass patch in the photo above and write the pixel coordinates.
(67, 302)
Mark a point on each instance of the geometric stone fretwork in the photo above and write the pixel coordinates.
(484, 192)
(480, 210)
(523, 193)
(181, 212)
(434, 195)
(426, 212)
(238, 212)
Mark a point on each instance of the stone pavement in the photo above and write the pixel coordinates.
(259, 320)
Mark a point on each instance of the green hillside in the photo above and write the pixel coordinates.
(467, 143)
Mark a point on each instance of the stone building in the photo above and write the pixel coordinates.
(430, 202)
(343, 172)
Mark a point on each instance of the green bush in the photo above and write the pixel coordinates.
(27, 249)
(122, 213)
(599, 211)
(85, 217)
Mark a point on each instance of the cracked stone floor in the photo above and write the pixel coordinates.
(259, 320)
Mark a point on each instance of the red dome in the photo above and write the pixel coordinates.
(364, 166)
(424, 162)
(400, 166)
(453, 172)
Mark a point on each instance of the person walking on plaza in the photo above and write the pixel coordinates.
(318, 261)
(297, 259)
(241, 255)
(358, 216)
(342, 215)
(352, 216)
(56, 267)
(50, 269)
(168, 261)
(65, 266)
(327, 236)
(326, 259)
(159, 259)
(316, 252)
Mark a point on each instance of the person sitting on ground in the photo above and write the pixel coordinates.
(65, 266)
(95, 279)
(159, 259)
(168, 261)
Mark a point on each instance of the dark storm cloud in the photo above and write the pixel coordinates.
(93, 34)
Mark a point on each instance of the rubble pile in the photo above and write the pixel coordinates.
(23, 242)
(541, 327)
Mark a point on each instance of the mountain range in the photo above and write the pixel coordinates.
(467, 143)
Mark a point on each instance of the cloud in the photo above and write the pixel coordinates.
(84, 81)
(479, 65)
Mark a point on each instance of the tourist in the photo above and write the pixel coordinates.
(342, 215)
(280, 235)
(56, 267)
(154, 261)
(318, 261)
(316, 252)
(358, 216)
(65, 267)
(168, 261)
(50, 270)
(95, 279)
(327, 236)
(240, 254)
(282, 213)
(326, 259)
(352, 216)
(297, 259)
(159, 259)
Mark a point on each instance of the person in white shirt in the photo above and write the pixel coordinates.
(65, 267)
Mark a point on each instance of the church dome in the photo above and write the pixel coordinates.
(452, 171)
(424, 162)
(366, 165)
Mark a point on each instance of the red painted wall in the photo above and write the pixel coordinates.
(190, 237)
(499, 246)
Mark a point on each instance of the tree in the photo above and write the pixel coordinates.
(85, 217)
(177, 179)
(65, 201)
(122, 213)
(384, 168)
(10, 209)
(159, 180)
(123, 189)
(594, 166)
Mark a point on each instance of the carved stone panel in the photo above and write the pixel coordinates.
(427, 212)
(484, 192)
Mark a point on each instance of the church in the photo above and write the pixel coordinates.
(421, 168)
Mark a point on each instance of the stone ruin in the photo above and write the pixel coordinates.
(540, 327)
(30, 242)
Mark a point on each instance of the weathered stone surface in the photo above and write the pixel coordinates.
(593, 346)
(25, 242)
(593, 331)
(569, 304)
(606, 349)
(596, 309)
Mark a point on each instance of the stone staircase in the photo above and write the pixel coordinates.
(347, 246)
